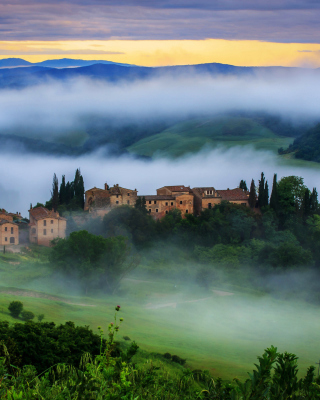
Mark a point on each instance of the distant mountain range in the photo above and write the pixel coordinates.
(17, 73)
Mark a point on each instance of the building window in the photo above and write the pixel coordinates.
(209, 206)
(166, 203)
(167, 212)
(155, 202)
(128, 201)
(12, 240)
(187, 211)
(172, 203)
(117, 202)
(149, 210)
(156, 210)
(180, 202)
(33, 230)
(149, 201)
(52, 221)
(44, 231)
(128, 194)
(243, 204)
(51, 230)
(6, 229)
(117, 195)
(44, 222)
(6, 239)
(11, 230)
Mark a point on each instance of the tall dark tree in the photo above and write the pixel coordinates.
(79, 188)
(266, 194)
(274, 200)
(141, 204)
(305, 212)
(62, 193)
(55, 193)
(314, 200)
(252, 195)
(69, 192)
(261, 194)
(243, 185)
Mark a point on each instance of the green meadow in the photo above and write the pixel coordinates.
(222, 329)
(193, 135)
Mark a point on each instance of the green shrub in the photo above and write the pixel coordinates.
(40, 317)
(27, 315)
(15, 308)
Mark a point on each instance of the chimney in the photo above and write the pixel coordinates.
(30, 206)
(106, 186)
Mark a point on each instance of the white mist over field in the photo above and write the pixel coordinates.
(63, 105)
(28, 177)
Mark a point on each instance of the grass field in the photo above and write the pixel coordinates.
(193, 135)
(222, 330)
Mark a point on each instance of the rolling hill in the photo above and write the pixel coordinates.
(193, 135)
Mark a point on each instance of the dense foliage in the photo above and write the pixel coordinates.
(45, 344)
(94, 260)
(111, 374)
(307, 146)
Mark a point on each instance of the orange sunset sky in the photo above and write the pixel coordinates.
(160, 32)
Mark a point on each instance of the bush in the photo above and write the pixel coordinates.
(15, 308)
(178, 360)
(40, 317)
(167, 356)
(27, 315)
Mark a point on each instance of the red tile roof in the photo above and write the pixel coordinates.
(233, 194)
(41, 212)
(178, 188)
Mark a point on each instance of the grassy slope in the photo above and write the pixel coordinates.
(213, 334)
(191, 136)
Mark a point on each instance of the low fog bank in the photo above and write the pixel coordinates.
(55, 107)
(28, 178)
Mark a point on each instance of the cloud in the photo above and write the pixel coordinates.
(283, 21)
(305, 51)
(64, 106)
(49, 51)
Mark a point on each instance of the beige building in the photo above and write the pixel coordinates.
(208, 197)
(169, 198)
(101, 201)
(45, 225)
(9, 233)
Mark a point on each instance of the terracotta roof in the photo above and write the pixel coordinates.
(158, 197)
(41, 212)
(202, 190)
(5, 221)
(178, 188)
(233, 194)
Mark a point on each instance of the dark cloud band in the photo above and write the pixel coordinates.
(276, 21)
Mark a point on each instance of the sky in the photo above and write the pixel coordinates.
(161, 32)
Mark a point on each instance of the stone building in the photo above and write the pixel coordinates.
(9, 232)
(45, 225)
(208, 197)
(100, 201)
(169, 198)
(235, 196)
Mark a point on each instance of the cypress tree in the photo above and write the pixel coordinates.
(62, 193)
(252, 195)
(274, 199)
(261, 194)
(55, 193)
(306, 204)
(266, 194)
(314, 200)
(243, 185)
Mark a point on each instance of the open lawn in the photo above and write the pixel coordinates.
(222, 329)
(193, 135)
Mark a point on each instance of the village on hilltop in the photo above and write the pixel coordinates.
(45, 225)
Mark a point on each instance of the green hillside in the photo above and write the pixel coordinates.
(193, 135)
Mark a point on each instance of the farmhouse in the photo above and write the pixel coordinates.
(101, 201)
(189, 201)
(9, 232)
(45, 225)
